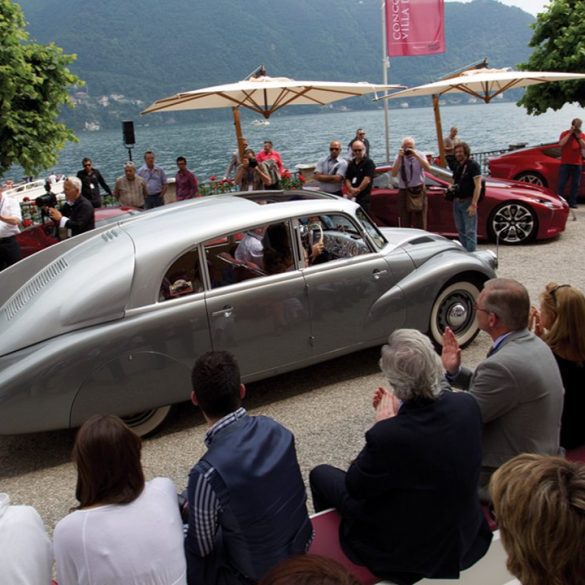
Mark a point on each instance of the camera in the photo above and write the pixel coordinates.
(253, 163)
(46, 200)
(408, 152)
(452, 192)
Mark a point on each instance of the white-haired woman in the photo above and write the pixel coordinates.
(409, 502)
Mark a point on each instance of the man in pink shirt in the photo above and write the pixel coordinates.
(572, 147)
(269, 154)
(186, 185)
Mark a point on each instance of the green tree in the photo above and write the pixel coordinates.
(34, 80)
(559, 45)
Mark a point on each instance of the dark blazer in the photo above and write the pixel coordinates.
(81, 216)
(416, 484)
(520, 394)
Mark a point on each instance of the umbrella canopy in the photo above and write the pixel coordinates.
(483, 84)
(265, 95)
(486, 84)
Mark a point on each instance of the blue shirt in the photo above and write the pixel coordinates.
(154, 178)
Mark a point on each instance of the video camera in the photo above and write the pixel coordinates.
(44, 201)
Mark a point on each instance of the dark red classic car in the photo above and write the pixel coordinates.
(537, 165)
(39, 236)
(511, 212)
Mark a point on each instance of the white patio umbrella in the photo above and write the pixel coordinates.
(483, 84)
(264, 95)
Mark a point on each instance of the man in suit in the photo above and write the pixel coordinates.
(408, 502)
(77, 214)
(518, 386)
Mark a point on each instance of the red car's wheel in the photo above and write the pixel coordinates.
(532, 177)
(512, 222)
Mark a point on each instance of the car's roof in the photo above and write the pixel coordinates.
(207, 217)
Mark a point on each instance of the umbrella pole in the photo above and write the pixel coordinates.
(439, 128)
(239, 136)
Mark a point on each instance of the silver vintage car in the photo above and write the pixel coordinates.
(112, 320)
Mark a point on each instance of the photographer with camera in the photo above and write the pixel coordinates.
(252, 175)
(10, 217)
(465, 193)
(572, 146)
(410, 166)
(77, 214)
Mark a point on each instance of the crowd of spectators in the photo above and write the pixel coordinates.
(410, 502)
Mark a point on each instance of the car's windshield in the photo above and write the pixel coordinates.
(371, 229)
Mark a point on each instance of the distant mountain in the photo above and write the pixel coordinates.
(131, 53)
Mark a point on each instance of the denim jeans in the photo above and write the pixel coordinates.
(466, 225)
(572, 173)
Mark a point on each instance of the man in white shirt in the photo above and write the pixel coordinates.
(10, 217)
(330, 171)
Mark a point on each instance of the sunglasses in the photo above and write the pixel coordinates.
(553, 292)
(334, 148)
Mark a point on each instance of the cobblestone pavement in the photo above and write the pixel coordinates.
(328, 406)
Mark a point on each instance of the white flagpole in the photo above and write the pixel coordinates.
(385, 67)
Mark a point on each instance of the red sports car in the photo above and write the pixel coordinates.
(511, 212)
(538, 165)
(40, 236)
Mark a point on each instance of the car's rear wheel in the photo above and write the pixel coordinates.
(513, 223)
(532, 177)
(454, 307)
(148, 421)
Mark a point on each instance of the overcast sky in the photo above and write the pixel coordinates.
(532, 6)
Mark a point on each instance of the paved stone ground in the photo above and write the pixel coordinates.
(328, 406)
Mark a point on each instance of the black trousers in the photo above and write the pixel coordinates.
(9, 252)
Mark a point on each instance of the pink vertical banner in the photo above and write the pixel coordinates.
(415, 27)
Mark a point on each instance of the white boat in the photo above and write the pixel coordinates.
(260, 123)
(33, 189)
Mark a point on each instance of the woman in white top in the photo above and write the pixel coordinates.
(125, 531)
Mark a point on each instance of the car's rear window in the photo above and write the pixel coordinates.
(553, 151)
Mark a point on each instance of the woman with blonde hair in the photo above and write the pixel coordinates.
(125, 531)
(561, 323)
(539, 503)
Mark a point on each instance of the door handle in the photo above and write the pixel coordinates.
(377, 274)
(224, 312)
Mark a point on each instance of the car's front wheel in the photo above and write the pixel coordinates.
(531, 177)
(512, 223)
(454, 307)
(148, 421)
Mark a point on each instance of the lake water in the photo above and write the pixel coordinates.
(303, 139)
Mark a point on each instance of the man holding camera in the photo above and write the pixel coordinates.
(572, 147)
(10, 217)
(410, 166)
(77, 214)
(465, 192)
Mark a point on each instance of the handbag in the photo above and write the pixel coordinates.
(415, 198)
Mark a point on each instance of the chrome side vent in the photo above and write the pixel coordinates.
(110, 234)
(34, 287)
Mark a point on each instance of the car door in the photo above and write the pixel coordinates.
(262, 319)
(345, 291)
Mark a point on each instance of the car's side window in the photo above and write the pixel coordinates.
(182, 278)
(259, 251)
(331, 237)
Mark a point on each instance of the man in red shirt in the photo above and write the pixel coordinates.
(186, 184)
(572, 146)
(268, 153)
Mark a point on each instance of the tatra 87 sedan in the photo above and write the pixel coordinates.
(111, 321)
